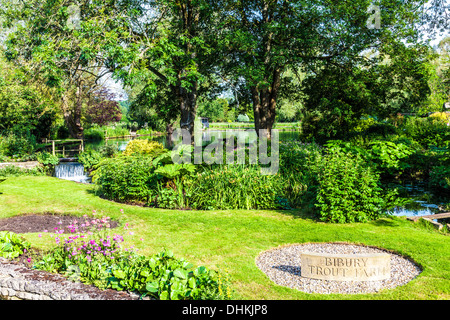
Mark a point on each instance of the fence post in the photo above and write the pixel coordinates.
(53, 148)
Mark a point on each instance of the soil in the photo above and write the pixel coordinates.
(31, 223)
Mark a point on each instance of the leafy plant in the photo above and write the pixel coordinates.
(11, 245)
(125, 179)
(90, 158)
(47, 159)
(103, 260)
(234, 187)
(298, 171)
(348, 189)
(144, 147)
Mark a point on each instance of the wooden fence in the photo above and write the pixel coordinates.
(66, 147)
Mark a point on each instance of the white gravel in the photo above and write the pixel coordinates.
(283, 266)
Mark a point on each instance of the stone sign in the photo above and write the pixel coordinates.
(346, 267)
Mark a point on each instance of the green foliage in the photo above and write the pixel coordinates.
(348, 189)
(389, 156)
(144, 147)
(172, 191)
(89, 158)
(17, 145)
(47, 159)
(11, 245)
(243, 118)
(298, 170)
(440, 179)
(428, 131)
(14, 171)
(102, 260)
(234, 187)
(125, 179)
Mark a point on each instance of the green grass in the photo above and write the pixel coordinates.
(233, 239)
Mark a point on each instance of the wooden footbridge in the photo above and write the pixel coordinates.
(432, 217)
(68, 147)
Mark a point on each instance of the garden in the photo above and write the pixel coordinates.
(307, 151)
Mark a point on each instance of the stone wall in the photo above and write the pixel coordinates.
(23, 165)
(19, 282)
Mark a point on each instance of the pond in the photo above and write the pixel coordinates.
(423, 202)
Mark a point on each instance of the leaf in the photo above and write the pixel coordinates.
(119, 274)
(180, 273)
(164, 295)
(152, 287)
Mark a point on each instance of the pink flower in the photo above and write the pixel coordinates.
(29, 260)
(40, 235)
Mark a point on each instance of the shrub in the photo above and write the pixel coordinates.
(11, 245)
(348, 189)
(298, 171)
(428, 131)
(125, 179)
(47, 159)
(95, 133)
(90, 158)
(440, 179)
(389, 157)
(171, 192)
(16, 145)
(144, 147)
(13, 171)
(243, 118)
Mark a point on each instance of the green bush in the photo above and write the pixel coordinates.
(144, 147)
(125, 179)
(348, 189)
(95, 133)
(11, 245)
(430, 131)
(16, 145)
(47, 159)
(298, 171)
(440, 179)
(90, 158)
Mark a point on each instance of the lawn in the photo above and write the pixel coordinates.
(231, 240)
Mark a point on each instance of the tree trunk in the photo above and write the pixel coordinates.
(72, 115)
(265, 104)
(188, 108)
(169, 131)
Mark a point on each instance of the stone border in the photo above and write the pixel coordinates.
(17, 282)
(283, 266)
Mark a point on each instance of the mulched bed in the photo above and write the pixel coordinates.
(31, 223)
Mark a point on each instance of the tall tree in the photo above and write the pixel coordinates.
(266, 37)
(64, 46)
(172, 40)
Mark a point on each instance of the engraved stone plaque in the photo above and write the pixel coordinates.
(346, 267)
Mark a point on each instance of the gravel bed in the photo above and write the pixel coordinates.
(283, 266)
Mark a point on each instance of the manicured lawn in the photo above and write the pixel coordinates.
(232, 240)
